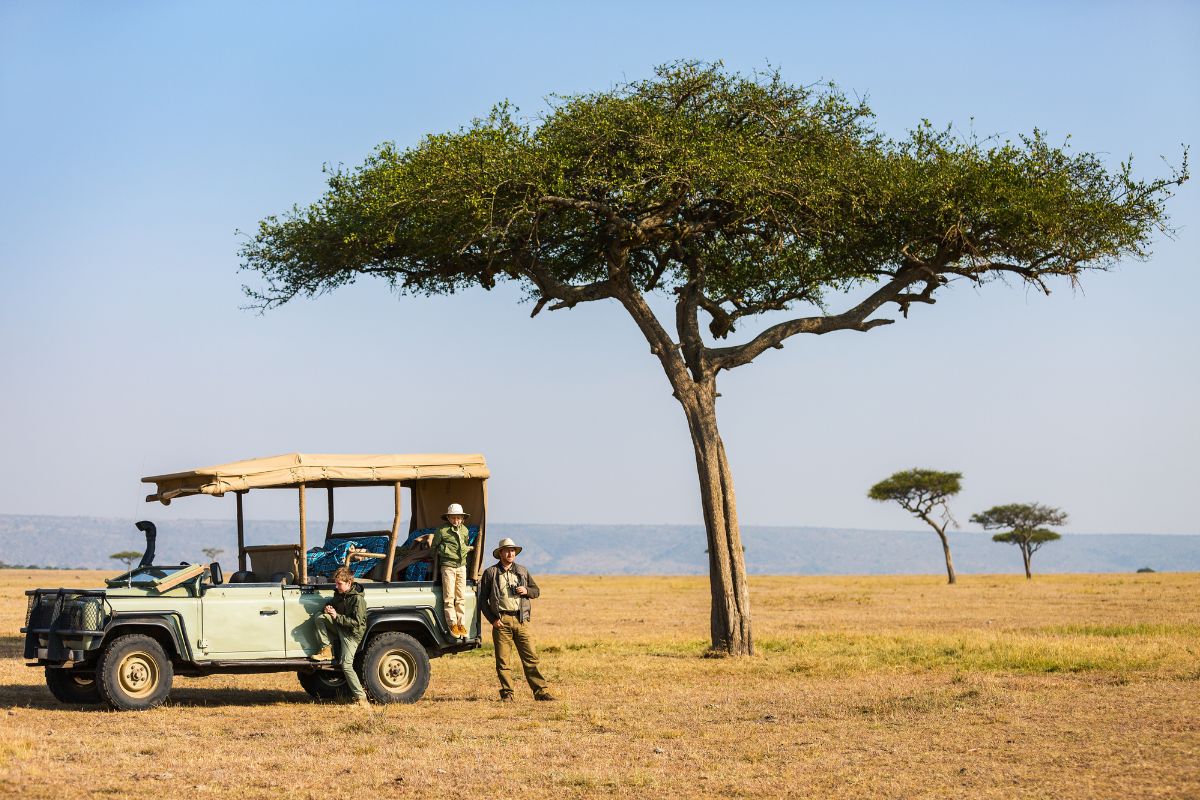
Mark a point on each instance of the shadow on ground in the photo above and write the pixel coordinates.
(38, 696)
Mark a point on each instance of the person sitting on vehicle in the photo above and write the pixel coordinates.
(450, 543)
(345, 616)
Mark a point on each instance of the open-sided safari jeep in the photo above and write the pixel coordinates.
(122, 644)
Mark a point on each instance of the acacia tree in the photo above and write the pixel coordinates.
(920, 492)
(126, 557)
(731, 195)
(1025, 522)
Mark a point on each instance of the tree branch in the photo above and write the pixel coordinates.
(854, 319)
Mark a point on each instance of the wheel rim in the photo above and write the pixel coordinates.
(332, 680)
(138, 674)
(397, 670)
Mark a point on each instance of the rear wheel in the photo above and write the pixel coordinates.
(325, 684)
(134, 673)
(73, 686)
(395, 668)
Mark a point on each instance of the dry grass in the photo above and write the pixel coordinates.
(1063, 687)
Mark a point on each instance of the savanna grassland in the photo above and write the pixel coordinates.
(1067, 686)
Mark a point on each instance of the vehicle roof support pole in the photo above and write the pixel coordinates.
(241, 533)
(391, 551)
(303, 540)
(329, 527)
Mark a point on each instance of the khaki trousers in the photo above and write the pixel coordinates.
(454, 589)
(519, 634)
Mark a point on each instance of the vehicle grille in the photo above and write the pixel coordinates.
(43, 610)
(64, 611)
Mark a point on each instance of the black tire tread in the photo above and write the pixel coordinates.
(381, 643)
(106, 676)
(62, 685)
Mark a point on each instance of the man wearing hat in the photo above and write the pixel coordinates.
(504, 594)
(451, 544)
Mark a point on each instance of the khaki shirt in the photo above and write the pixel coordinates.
(507, 598)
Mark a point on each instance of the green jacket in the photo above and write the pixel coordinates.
(351, 608)
(450, 544)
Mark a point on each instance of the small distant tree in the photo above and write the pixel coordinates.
(1026, 526)
(211, 553)
(127, 557)
(921, 492)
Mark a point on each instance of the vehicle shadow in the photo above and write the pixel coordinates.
(38, 696)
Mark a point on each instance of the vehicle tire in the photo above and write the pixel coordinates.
(134, 673)
(324, 684)
(395, 668)
(74, 687)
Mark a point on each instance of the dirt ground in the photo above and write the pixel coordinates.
(1067, 686)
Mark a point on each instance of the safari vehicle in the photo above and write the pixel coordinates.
(122, 644)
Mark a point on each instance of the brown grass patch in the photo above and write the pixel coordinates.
(1067, 686)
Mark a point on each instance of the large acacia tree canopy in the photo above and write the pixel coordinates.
(751, 193)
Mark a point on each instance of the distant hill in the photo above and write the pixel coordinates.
(626, 549)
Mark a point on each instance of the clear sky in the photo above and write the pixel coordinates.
(136, 138)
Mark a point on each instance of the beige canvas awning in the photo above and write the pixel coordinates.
(316, 470)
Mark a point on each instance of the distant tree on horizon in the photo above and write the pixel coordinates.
(733, 198)
(920, 492)
(211, 553)
(1025, 522)
(126, 557)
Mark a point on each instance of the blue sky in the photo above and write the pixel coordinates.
(137, 138)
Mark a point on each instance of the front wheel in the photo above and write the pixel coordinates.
(73, 686)
(395, 668)
(134, 673)
(325, 684)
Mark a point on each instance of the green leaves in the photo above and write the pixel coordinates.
(1025, 521)
(757, 194)
(913, 484)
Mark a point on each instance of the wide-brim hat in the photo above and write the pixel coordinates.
(455, 510)
(505, 543)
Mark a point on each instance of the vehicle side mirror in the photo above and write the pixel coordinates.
(214, 570)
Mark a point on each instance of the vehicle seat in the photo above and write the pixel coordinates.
(243, 576)
(282, 577)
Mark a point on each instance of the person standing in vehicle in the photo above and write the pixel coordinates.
(451, 544)
(345, 616)
(504, 594)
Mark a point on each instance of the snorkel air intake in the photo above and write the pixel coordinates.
(147, 527)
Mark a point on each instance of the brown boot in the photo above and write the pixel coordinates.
(544, 694)
(325, 654)
(363, 702)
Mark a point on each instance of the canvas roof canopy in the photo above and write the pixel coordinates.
(316, 470)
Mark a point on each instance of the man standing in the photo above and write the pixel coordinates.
(346, 618)
(451, 544)
(504, 594)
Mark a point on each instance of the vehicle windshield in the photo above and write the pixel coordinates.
(145, 576)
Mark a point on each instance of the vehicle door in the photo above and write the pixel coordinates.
(300, 605)
(243, 621)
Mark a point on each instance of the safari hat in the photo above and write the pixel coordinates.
(505, 542)
(455, 510)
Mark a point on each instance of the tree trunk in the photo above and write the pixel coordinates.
(730, 616)
(1026, 554)
(949, 561)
